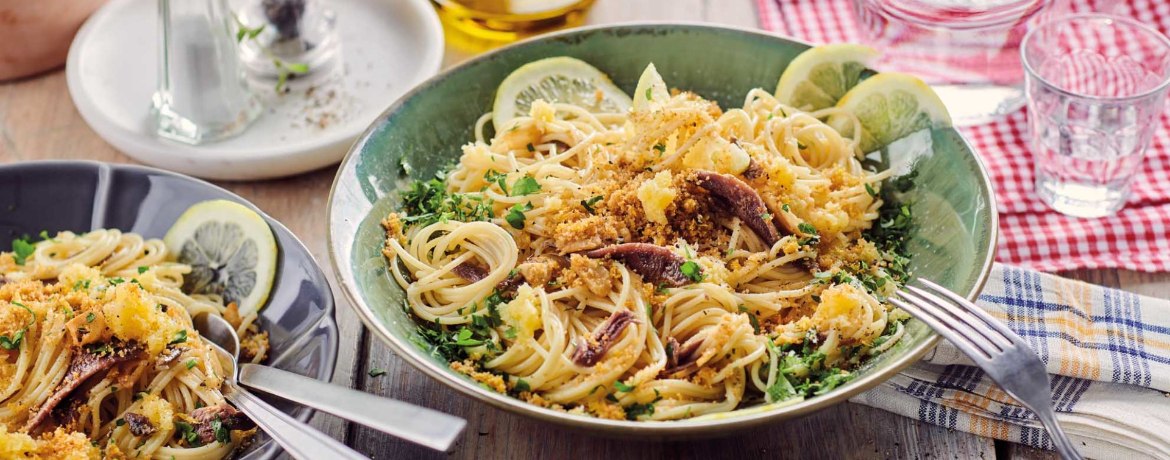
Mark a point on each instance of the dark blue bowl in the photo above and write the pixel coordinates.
(80, 196)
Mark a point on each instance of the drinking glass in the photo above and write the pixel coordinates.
(967, 50)
(1096, 86)
(203, 95)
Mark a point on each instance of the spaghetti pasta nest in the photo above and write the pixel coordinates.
(102, 359)
(670, 262)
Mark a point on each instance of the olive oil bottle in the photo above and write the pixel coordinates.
(478, 25)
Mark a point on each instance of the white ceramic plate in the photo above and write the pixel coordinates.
(388, 47)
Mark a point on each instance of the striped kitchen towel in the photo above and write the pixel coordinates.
(1108, 357)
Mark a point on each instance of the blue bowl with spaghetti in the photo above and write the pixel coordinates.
(80, 196)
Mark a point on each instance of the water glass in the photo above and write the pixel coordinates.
(967, 50)
(1095, 86)
(203, 95)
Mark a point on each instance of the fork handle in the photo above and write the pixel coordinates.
(416, 424)
(1064, 445)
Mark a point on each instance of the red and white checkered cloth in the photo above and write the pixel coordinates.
(1032, 235)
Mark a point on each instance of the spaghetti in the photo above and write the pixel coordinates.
(103, 361)
(671, 262)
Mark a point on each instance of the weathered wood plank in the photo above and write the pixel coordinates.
(847, 431)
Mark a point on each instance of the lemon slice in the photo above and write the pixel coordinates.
(558, 79)
(821, 75)
(231, 251)
(890, 106)
(651, 92)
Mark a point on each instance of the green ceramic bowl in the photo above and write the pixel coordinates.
(426, 127)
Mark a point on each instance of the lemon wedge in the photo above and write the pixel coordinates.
(651, 92)
(559, 79)
(890, 106)
(821, 75)
(231, 251)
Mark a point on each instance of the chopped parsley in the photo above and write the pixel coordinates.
(404, 166)
(180, 337)
(142, 270)
(661, 148)
(751, 317)
(526, 185)
(802, 371)
(222, 434)
(45, 236)
(427, 202)
(622, 387)
(531, 148)
(192, 362)
(90, 317)
(12, 343)
(22, 250)
(648, 96)
(464, 339)
(633, 411)
(515, 216)
(521, 386)
(588, 204)
(869, 190)
(692, 271)
(498, 178)
(807, 228)
(186, 432)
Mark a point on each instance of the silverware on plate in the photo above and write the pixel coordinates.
(999, 351)
(297, 438)
(419, 425)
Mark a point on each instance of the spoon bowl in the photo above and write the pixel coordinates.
(299, 439)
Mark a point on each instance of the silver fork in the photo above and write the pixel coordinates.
(1002, 354)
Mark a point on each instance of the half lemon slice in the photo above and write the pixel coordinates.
(890, 106)
(821, 75)
(559, 79)
(231, 251)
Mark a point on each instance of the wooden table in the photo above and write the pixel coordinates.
(38, 121)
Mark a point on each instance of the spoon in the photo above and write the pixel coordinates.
(297, 438)
(419, 425)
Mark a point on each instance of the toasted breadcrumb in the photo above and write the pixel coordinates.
(56, 445)
(469, 368)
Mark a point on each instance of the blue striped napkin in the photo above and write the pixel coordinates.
(1107, 353)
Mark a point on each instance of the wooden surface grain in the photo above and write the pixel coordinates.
(38, 121)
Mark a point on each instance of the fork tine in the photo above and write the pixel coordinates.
(977, 354)
(996, 324)
(963, 313)
(962, 326)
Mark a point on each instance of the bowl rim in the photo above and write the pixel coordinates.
(409, 353)
(271, 449)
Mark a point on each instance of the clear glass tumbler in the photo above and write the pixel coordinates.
(968, 50)
(202, 94)
(1096, 86)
